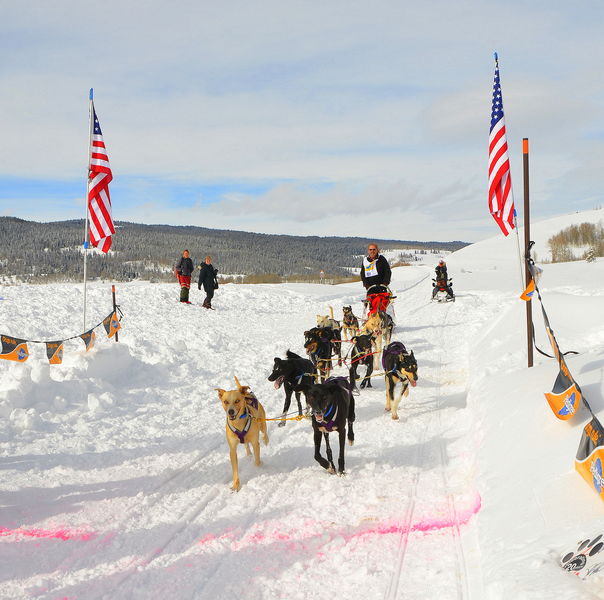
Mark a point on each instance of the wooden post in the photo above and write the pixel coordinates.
(527, 241)
(115, 309)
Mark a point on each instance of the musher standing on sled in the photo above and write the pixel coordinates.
(183, 269)
(441, 275)
(376, 274)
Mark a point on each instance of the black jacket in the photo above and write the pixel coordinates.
(380, 267)
(441, 273)
(207, 277)
(184, 266)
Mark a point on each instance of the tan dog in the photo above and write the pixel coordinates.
(245, 420)
(328, 321)
(379, 325)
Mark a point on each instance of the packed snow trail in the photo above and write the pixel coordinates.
(169, 524)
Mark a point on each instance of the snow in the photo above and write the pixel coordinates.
(115, 472)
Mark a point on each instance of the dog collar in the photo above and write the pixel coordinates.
(328, 425)
(241, 433)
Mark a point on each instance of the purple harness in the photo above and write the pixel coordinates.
(330, 425)
(393, 348)
(251, 400)
(241, 433)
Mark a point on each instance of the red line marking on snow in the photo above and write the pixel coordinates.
(57, 534)
(315, 530)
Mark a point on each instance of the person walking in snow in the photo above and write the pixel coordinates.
(183, 270)
(375, 275)
(207, 278)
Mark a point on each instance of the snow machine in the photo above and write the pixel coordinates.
(440, 294)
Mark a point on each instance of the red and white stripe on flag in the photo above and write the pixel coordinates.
(99, 201)
(501, 203)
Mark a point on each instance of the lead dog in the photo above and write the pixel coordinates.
(400, 366)
(332, 407)
(294, 373)
(245, 420)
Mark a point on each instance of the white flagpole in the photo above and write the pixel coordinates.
(520, 259)
(86, 230)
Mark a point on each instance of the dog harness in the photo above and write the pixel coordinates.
(251, 400)
(241, 433)
(330, 425)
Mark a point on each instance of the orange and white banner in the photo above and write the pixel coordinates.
(590, 456)
(54, 352)
(13, 349)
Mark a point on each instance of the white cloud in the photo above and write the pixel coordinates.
(389, 103)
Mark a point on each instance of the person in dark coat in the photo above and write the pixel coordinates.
(375, 275)
(207, 278)
(441, 275)
(183, 270)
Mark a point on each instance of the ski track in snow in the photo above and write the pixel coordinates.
(119, 485)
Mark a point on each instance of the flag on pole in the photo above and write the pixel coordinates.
(99, 177)
(501, 203)
(528, 293)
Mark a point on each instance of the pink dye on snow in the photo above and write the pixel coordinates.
(315, 530)
(57, 534)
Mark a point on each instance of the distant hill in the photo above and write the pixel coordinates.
(32, 251)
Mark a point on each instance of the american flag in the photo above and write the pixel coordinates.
(99, 202)
(501, 203)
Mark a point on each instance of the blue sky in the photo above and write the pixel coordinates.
(333, 118)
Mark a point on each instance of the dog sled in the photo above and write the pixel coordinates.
(379, 300)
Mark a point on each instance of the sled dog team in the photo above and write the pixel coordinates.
(329, 400)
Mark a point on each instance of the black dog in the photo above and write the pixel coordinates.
(400, 366)
(294, 373)
(361, 354)
(332, 406)
(318, 343)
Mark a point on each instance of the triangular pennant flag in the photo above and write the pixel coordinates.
(13, 349)
(528, 293)
(564, 402)
(590, 456)
(54, 352)
(88, 338)
(112, 324)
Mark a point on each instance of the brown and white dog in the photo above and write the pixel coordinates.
(245, 420)
(350, 323)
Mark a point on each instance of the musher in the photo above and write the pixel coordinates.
(376, 274)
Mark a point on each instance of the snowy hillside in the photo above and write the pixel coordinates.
(115, 471)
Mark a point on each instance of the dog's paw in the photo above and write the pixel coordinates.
(342, 474)
(236, 486)
(387, 409)
(351, 442)
(281, 424)
(331, 471)
(395, 417)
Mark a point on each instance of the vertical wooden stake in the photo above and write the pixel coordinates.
(527, 240)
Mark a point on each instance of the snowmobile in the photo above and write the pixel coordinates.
(441, 294)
